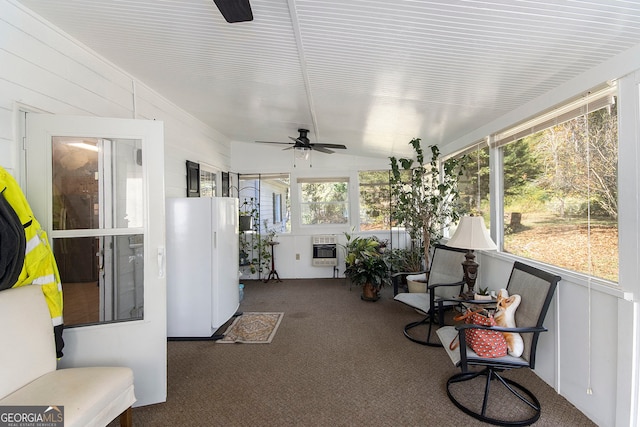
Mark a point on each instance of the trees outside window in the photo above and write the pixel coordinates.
(374, 200)
(324, 200)
(561, 194)
(473, 183)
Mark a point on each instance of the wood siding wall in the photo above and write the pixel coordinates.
(44, 69)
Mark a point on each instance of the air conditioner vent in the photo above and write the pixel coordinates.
(325, 262)
(324, 251)
(324, 240)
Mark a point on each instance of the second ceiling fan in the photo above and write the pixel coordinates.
(302, 143)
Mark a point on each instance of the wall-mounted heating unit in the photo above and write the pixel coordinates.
(324, 251)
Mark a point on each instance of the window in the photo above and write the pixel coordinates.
(473, 184)
(324, 200)
(269, 195)
(207, 182)
(560, 190)
(374, 200)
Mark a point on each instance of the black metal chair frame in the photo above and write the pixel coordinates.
(430, 316)
(494, 366)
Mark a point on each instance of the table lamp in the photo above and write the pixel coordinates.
(471, 235)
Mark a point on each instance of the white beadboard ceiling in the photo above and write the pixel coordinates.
(370, 74)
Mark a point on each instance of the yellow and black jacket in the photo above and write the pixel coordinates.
(26, 257)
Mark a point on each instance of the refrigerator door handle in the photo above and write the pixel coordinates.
(161, 261)
(215, 239)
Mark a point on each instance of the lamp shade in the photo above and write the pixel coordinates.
(472, 234)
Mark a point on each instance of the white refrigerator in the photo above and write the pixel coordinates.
(202, 265)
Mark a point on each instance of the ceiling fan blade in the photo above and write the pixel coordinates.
(297, 140)
(235, 10)
(337, 146)
(320, 148)
(303, 143)
(274, 142)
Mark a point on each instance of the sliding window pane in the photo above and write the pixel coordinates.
(561, 195)
(374, 200)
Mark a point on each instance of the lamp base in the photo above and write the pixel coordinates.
(470, 269)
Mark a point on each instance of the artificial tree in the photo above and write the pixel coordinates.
(425, 195)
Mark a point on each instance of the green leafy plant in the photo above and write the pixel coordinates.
(406, 259)
(256, 247)
(250, 209)
(425, 195)
(366, 261)
(263, 248)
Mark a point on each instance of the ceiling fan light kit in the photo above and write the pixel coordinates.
(302, 153)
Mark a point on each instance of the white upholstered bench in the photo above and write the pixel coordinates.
(91, 396)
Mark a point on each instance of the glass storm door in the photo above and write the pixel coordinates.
(96, 186)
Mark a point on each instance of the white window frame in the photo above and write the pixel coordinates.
(217, 178)
(593, 101)
(312, 180)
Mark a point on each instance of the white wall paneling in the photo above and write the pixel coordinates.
(46, 69)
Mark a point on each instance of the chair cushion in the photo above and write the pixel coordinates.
(422, 277)
(90, 396)
(446, 334)
(29, 349)
(419, 301)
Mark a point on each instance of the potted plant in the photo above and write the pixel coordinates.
(405, 259)
(425, 195)
(249, 215)
(367, 265)
(409, 260)
(482, 295)
(255, 249)
(249, 236)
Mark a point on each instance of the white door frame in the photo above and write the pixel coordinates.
(138, 344)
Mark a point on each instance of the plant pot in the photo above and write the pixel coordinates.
(417, 286)
(417, 283)
(243, 258)
(369, 292)
(479, 297)
(245, 222)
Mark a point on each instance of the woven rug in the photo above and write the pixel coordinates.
(253, 328)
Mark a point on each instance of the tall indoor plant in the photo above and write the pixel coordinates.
(425, 195)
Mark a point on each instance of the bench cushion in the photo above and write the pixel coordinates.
(446, 334)
(26, 334)
(90, 396)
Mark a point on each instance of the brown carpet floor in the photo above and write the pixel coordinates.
(335, 361)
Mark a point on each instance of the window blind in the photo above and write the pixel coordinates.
(478, 145)
(321, 180)
(587, 104)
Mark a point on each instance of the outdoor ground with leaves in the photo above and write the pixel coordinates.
(566, 245)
